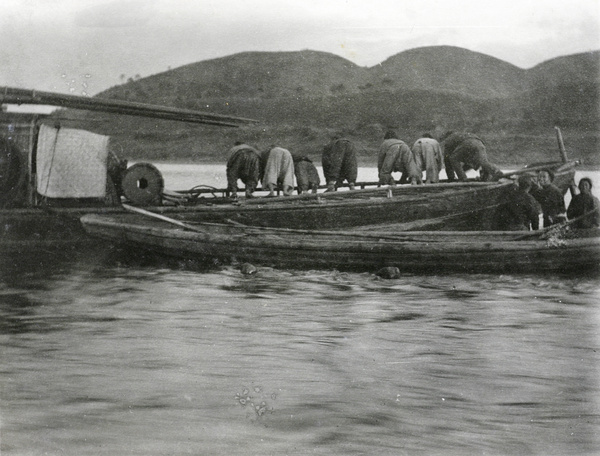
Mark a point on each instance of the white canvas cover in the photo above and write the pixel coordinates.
(71, 163)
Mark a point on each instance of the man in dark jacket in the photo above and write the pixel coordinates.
(550, 198)
(307, 176)
(523, 211)
(339, 163)
(464, 151)
(585, 203)
(243, 164)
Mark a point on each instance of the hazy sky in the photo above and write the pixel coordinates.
(84, 46)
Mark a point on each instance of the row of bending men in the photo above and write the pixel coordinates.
(457, 152)
(276, 166)
(532, 198)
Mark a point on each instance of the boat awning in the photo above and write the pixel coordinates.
(71, 163)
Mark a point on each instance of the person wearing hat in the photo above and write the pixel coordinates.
(550, 198)
(584, 205)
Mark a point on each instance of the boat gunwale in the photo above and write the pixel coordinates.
(371, 243)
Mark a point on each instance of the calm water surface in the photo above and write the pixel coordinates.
(105, 355)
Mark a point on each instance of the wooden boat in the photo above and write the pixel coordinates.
(36, 220)
(31, 219)
(450, 206)
(455, 206)
(428, 251)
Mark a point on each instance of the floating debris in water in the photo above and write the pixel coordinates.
(389, 272)
(248, 269)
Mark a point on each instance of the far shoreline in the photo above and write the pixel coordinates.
(583, 168)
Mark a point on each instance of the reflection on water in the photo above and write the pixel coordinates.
(102, 355)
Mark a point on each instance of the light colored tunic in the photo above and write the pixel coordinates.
(429, 158)
(279, 168)
(396, 156)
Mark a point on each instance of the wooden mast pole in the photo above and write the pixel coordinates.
(561, 146)
(26, 96)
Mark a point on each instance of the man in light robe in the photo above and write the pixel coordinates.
(278, 170)
(429, 158)
(395, 156)
(550, 198)
(243, 164)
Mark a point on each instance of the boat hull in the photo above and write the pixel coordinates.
(450, 206)
(443, 206)
(492, 251)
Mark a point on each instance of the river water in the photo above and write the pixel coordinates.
(103, 355)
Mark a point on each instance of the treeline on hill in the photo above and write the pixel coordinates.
(516, 122)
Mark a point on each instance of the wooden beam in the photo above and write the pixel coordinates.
(26, 96)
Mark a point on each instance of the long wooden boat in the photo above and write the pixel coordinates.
(31, 219)
(443, 206)
(449, 206)
(428, 251)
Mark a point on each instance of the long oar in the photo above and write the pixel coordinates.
(161, 217)
(536, 168)
(257, 230)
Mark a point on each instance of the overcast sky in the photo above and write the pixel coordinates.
(84, 46)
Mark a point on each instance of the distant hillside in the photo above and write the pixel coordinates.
(252, 75)
(303, 97)
(576, 69)
(258, 75)
(452, 69)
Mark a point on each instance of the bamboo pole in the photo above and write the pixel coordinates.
(26, 96)
(561, 145)
(161, 217)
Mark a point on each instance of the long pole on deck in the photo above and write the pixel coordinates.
(561, 146)
(26, 96)
(565, 159)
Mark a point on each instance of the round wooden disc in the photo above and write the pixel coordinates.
(143, 184)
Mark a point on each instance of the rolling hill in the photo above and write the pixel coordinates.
(301, 98)
(451, 69)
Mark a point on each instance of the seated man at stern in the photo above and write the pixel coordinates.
(550, 198)
(522, 212)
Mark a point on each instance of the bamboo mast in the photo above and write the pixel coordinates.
(26, 96)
